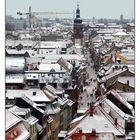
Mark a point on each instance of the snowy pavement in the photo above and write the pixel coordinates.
(88, 95)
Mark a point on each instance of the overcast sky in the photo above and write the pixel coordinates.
(89, 8)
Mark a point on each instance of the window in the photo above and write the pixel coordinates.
(30, 83)
(61, 75)
(49, 127)
(26, 116)
(114, 88)
(124, 88)
(9, 47)
(83, 137)
(31, 131)
(34, 128)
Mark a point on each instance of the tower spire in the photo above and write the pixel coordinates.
(77, 4)
(78, 27)
(78, 10)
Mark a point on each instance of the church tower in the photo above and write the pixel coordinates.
(78, 28)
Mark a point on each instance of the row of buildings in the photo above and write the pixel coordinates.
(112, 115)
(44, 77)
(46, 73)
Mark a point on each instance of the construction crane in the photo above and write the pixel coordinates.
(33, 14)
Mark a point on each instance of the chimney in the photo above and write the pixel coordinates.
(128, 82)
(73, 86)
(73, 83)
(115, 58)
(34, 93)
(100, 104)
(93, 132)
(80, 130)
(111, 56)
(113, 69)
(116, 121)
(91, 109)
(125, 67)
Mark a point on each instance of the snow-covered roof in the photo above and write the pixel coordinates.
(18, 132)
(128, 54)
(62, 101)
(77, 119)
(110, 31)
(130, 51)
(39, 96)
(115, 73)
(60, 65)
(82, 110)
(78, 46)
(14, 78)
(33, 60)
(15, 64)
(49, 67)
(17, 42)
(51, 44)
(11, 120)
(33, 104)
(25, 36)
(119, 44)
(130, 66)
(120, 33)
(62, 134)
(66, 57)
(52, 108)
(70, 102)
(17, 111)
(128, 96)
(99, 122)
(66, 65)
(108, 37)
(126, 79)
(20, 52)
(39, 127)
(117, 110)
(119, 98)
(50, 89)
(47, 61)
